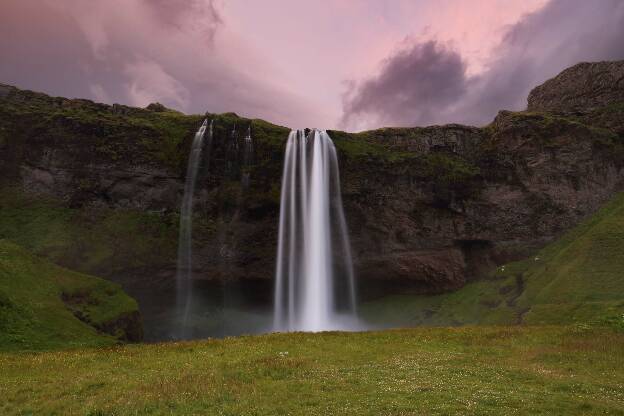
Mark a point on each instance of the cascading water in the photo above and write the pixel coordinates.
(314, 284)
(184, 273)
(247, 158)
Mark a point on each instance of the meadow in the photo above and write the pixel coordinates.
(435, 371)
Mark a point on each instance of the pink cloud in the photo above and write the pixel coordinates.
(426, 81)
(287, 61)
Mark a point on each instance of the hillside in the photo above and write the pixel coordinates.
(576, 279)
(43, 306)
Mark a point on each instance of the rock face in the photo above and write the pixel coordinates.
(491, 196)
(585, 86)
(428, 208)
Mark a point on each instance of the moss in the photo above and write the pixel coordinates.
(269, 134)
(548, 129)
(367, 146)
(94, 240)
(447, 169)
(610, 117)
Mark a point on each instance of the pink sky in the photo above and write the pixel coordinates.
(298, 63)
(316, 47)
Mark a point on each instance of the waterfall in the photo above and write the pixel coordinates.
(247, 158)
(184, 273)
(314, 284)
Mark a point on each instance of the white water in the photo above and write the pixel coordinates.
(247, 158)
(314, 284)
(184, 273)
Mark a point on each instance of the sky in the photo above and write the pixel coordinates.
(346, 64)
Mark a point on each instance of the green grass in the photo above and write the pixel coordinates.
(367, 146)
(40, 304)
(578, 278)
(433, 371)
(580, 274)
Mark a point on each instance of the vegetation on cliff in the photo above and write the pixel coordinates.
(96, 240)
(44, 306)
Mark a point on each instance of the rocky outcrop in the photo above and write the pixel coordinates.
(126, 326)
(428, 208)
(585, 86)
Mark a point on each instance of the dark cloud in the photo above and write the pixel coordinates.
(561, 34)
(412, 85)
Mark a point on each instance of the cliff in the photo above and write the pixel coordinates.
(428, 208)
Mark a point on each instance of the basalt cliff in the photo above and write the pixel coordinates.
(97, 188)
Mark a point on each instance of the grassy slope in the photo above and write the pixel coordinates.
(33, 314)
(553, 370)
(578, 278)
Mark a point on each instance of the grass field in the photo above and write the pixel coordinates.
(432, 371)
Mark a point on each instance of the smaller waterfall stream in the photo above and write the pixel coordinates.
(314, 284)
(247, 158)
(184, 273)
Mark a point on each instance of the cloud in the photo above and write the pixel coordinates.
(151, 83)
(259, 60)
(98, 92)
(412, 85)
(180, 53)
(30, 53)
(199, 15)
(426, 83)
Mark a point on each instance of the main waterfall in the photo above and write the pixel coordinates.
(314, 284)
(184, 273)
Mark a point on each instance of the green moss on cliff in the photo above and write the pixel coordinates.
(46, 306)
(447, 169)
(547, 129)
(610, 117)
(368, 145)
(95, 240)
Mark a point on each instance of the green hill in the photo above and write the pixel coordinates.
(578, 278)
(46, 306)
